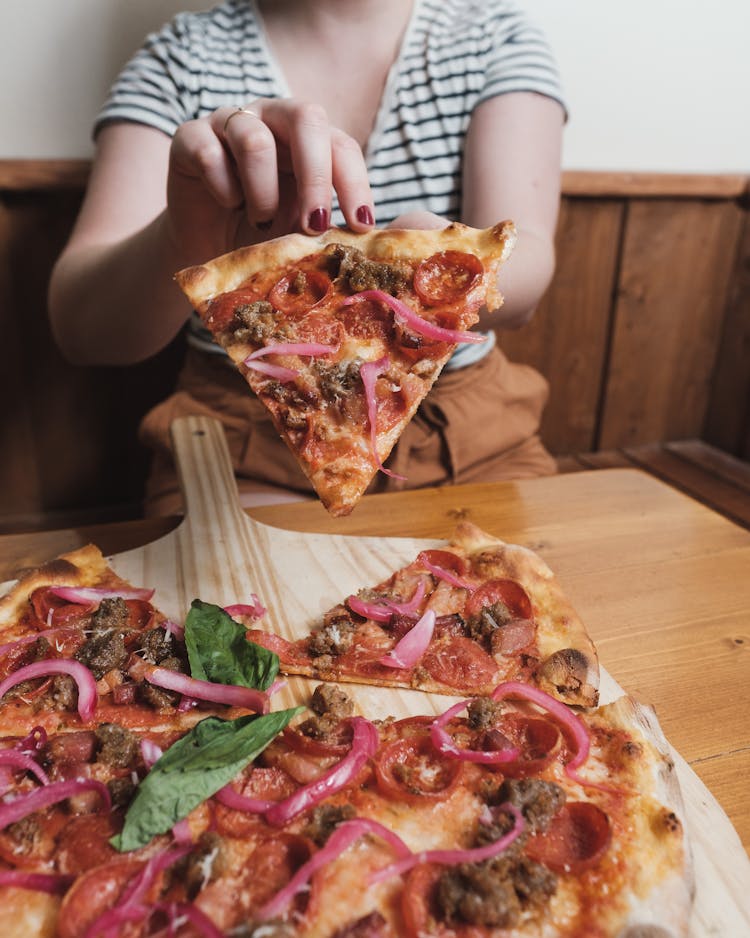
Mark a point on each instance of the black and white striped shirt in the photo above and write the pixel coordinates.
(454, 55)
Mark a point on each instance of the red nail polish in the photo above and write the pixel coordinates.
(364, 215)
(318, 219)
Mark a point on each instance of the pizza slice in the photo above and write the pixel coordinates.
(456, 620)
(95, 684)
(341, 336)
(79, 647)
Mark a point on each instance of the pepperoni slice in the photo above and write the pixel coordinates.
(446, 277)
(43, 602)
(299, 291)
(337, 742)
(367, 319)
(539, 741)
(288, 652)
(266, 783)
(222, 308)
(508, 592)
(93, 893)
(273, 864)
(84, 843)
(412, 770)
(445, 559)
(576, 839)
(459, 662)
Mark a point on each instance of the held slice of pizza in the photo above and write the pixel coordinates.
(456, 620)
(341, 336)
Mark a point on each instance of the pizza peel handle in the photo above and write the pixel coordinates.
(212, 508)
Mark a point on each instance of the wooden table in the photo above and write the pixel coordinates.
(662, 582)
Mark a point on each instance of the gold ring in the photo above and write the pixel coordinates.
(239, 110)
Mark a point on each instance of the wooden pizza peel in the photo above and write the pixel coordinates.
(220, 555)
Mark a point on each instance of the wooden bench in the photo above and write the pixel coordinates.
(708, 474)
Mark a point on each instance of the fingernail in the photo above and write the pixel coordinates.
(264, 225)
(364, 215)
(318, 219)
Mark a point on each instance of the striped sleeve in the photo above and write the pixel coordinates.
(156, 87)
(519, 59)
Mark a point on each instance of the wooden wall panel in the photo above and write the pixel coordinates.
(728, 419)
(19, 480)
(72, 431)
(567, 339)
(674, 282)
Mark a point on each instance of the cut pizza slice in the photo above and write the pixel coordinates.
(341, 336)
(96, 686)
(81, 647)
(453, 621)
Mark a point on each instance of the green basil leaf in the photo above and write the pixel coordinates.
(194, 768)
(219, 652)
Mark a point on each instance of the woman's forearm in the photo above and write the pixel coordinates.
(117, 304)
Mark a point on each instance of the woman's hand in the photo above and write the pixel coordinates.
(244, 175)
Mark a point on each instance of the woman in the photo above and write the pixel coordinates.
(262, 117)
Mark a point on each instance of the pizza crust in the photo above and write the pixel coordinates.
(569, 667)
(664, 857)
(85, 566)
(229, 271)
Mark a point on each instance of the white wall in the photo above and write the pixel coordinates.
(652, 84)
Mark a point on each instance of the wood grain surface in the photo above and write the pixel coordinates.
(221, 555)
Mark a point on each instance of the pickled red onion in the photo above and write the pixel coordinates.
(279, 372)
(452, 857)
(233, 799)
(150, 752)
(442, 574)
(172, 628)
(378, 612)
(79, 672)
(311, 349)
(383, 610)
(20, 760)
(197, 918)
(254, 610)
(129, 907)
(561, 713)
(88, 595)
(412, 605)
(444, 743)
(413, 321)
(141, 882)
(26, 804)
(38, 882)
(369, 373)
(34, 742)
(413, 645)
(342, 838)
(27, 639)
(364, 745)
(231, 694)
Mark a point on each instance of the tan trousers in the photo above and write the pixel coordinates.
(478, 424)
